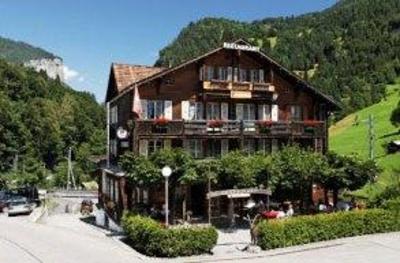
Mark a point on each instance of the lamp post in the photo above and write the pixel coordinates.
(166, 172)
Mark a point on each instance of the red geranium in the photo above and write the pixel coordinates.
(215, 123)
(311, 123)
(161, 121)
(264, 123)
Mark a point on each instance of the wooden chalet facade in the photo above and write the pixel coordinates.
(234, 97)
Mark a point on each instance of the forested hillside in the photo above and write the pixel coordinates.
(40, 119)
(20, 52)
(350, 51)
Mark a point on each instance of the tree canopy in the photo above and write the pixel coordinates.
(40, 119)
(349, 51)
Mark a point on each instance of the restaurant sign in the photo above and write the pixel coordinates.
(241, 47)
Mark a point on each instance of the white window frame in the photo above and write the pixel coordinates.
(155, 109)
(265, 112)
(195, 110)
(213, 111)
(194, 147)
(114, 114)
(264, 145)
(249, 146)
(154, 145)
(296, 113)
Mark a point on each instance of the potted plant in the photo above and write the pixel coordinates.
(160, 121)
(310, 125)
(264, 126)
(215, 125)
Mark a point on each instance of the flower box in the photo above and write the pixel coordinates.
(311, 123)
(160, 122)
(215, 124)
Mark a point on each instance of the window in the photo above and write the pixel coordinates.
(194, 147)
(264, 145)
(154, 145)
(213, 148)
(210, 73)
(113, 147)
(264, 112)
(213, 111)
(249, 112)
(261, 76)
(195, 111)
(243, 75)
(245, 112)
(155, 109)
(114, 115)
(296, 113)
(222, 73)
(254, 75)
(249, 146)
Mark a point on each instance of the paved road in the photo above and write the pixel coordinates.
(61, 239)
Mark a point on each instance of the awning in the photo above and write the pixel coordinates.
(238, 193)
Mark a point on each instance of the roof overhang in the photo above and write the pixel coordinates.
(334, 104)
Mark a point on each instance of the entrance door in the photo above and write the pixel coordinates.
(198, 199)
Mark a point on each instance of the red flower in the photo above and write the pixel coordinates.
(161, 121)
(311, 123)
(264, 123)
(215, 123)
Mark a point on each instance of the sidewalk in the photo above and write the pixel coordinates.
(370, 248)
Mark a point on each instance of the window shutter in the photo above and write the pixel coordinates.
(274, 113)
(168, 109)
(261, 75)
(144, 109)
(229, 73)
(185, 109)
(224, 146)
(224, 111)
(143, 147)
(167, 144)
(239, 111)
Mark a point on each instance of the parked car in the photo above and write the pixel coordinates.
(18, 206)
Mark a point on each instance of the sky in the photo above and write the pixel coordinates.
(91, 34)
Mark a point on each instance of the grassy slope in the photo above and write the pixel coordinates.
(347, 138)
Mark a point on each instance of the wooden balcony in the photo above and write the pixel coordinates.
(221, 85)
(231, 128)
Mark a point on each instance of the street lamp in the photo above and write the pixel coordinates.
(166, 172)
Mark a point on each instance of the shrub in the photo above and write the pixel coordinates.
(307, 229)
(151, 238)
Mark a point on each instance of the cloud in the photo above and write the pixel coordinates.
(81, 79)
(70, 74)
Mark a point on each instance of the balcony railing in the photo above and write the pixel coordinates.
(222, 85)
(231, 128)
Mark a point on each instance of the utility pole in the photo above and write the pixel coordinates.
(70, 173)
(371, 136)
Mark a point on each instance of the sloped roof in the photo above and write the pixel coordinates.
(163, 72)
(126, 74)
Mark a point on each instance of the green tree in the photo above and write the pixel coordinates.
(295, 171)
